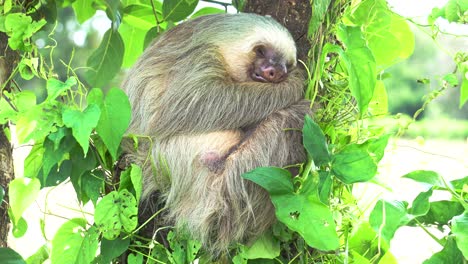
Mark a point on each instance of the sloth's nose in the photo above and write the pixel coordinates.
(274, 73)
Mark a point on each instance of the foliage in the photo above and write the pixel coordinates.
(76, 132)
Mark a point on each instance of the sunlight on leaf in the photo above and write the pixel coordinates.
(115, 213)
(23, 192)
(82, 123)
(114, 121)
(106, 60)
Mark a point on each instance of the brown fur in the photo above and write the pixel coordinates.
(210, 124)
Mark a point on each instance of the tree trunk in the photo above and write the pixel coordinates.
(6, 175)
(8, 60)
(293, 14)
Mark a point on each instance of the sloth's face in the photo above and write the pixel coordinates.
(268, 65)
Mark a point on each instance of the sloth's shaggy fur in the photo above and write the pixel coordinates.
(209, 123)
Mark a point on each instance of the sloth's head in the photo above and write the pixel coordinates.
(254, 48)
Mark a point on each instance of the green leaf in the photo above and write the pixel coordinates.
(388, 35)
(116, 212)
(161, 253)
(319, 9)
(54, 156)
(27, 114)
(458, 183)
(150, 36)
(91, 185)
(58, 135)
(239, 5)
(177, 10)
(41, 255)
(104, 155)
(20, 28)
(451, 79)
(301, 212)
(20, 228)
(7, 6)
(207, 11)
(363, 241)
(113, 11)
(325, 186)
(282, 232)
(361, 65)
(95, 96)
(376, 147)
(140, 16)
(57, 175)
(455, 9)
(464, 86)
(391, 42)
(35, 122)
(90, 244)
(82, 123)
(81, 175)
(27, 68)
(435, 13)
(7, 113)
(315, 142)
(192, 247)
(276, 181)
(111, 249)
(388, 258)
(184, 249)
(74, 244)
(135, 258)
(264, 247)
(114, 121)
(133, 39)
(33, 163)
(132, 180)
(430, 178)
(421, 204)
(460, 230)
(387, 217)
(106, 60)
(358, 258)
(378, 106)
(353, 164)
(9, 256)
(449, 254)
(27, 125)
(56, 88)
(2, 24)
(440, 213)
(239, 259)
(311, 219)
(25, 101)
(23, 192)
(84, 10)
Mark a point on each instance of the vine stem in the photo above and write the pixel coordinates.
(429, 233)
(148, 220)
(155, 15)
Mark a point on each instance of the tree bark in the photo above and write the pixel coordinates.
(8, 60)
(293, 14)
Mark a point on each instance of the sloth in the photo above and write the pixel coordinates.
(218, 96)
